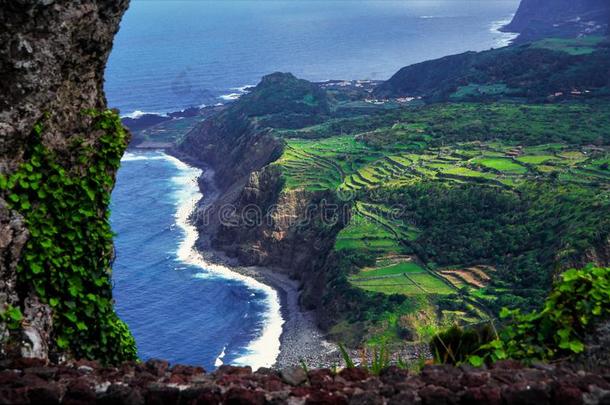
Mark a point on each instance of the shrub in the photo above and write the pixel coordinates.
(578, 300)
(457, 344)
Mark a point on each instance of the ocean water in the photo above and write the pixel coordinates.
(169, 55)
(178, 307)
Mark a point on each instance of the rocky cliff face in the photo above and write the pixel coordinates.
(52, 59)
(253, 218)
(287, 229)
(564, 18)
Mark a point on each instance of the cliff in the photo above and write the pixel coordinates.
(562, 18)
(59, 150)
(253, 218)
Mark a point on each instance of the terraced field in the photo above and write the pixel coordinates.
(360, 167)
(344, 163)
(309, 171)
(471, 277)
(407, 278)
(365, 235)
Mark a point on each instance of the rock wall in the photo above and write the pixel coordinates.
(52, 59)
(156, 382)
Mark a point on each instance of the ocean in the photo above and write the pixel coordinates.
(178, 307)
(170, 55)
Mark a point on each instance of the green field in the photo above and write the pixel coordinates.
(362, 234)
(500, 164)
(400, 268)
(403, 278)
(576, 46)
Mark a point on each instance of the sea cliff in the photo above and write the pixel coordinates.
(537, 19)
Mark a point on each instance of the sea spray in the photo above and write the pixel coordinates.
(503, 38)
(262, 351)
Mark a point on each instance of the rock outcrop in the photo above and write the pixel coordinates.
(52, 59)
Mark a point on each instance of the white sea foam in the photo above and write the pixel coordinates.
(502, 38)
(243, 89)
(263, 351)
(204, 276)
(137, 114)
(218, 362)
(231, 96)
(128, 157)
(240, 91)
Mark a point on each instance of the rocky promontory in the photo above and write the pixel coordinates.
(537, 19)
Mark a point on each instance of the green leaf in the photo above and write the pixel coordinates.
(15, 314)
(71, 316)
(505, 313)
(476, 361)
(577, 346)
(570, 275)
(62, 342)
(36, 268)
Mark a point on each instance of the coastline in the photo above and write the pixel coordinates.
(300, 338)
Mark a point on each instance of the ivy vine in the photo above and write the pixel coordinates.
(67, 259)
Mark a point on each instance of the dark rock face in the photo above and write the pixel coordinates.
(539, 18)
(52, 59)
(155, 383)
(253, 219)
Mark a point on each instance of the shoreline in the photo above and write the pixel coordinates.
(259, 351)
(300, 338)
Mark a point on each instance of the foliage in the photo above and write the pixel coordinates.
(578, 300)
(349, 363)
(380, 359)
(11, 317)
(456, 344)
(68, 256)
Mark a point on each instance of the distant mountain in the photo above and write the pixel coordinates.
(536, 19)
